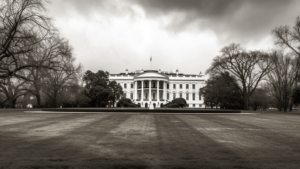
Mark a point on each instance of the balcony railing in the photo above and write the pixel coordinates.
(139, 87)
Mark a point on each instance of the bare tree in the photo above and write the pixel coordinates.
(288, 37)
(248, 68)
(23, 25)
(56, 80)
(282, 78)
(49, 53)
(12, 89)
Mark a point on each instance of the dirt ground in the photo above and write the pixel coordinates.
(138, 141)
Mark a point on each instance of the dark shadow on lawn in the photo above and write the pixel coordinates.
(56, 154)
(67, 151)
(185, 147)
(270, 134)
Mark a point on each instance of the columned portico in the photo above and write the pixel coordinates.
(150, 94)
(142, 91)
(165, 91)
(157, 92)
(150, 79)
(135, 90)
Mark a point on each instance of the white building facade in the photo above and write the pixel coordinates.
(160, 87)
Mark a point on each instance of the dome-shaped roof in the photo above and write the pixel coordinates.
(151, 74)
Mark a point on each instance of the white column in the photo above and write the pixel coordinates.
(150, 96)
(142, 90)
(165, 91)
(157, 92)
(135, 90)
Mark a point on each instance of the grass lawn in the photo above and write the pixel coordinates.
(137, 141)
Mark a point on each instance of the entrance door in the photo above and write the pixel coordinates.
(154, 105)
(146, 105)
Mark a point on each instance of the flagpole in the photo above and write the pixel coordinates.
(150, 62)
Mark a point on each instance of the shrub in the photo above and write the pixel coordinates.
(176, 103)
(125, 102)
(172, 105)
(84, 101)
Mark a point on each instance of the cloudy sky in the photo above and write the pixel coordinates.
(114, 35)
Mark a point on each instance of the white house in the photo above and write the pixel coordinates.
(160, 87)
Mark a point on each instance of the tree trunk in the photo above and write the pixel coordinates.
(285, 107)
(38, 100)
(254, 108)
(54, 102)
(12, 103)
(246, 107)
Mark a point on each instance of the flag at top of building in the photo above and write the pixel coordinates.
(150, 58)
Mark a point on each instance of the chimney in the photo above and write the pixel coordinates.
(126, 71)
(159, 71)
(177, 72)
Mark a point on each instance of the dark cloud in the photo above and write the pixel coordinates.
(234, 19)
(87, 8)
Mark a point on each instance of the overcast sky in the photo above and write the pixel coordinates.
(114, 35)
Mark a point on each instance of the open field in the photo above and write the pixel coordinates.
(138, 141)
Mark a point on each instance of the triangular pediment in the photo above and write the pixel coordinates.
(151, 75)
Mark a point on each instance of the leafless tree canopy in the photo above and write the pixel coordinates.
(289, 37)
(249, 68)
(23, 25)
(31, 51)
(282, 78)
